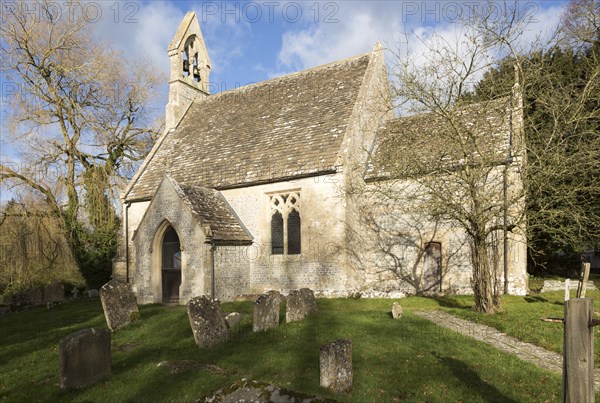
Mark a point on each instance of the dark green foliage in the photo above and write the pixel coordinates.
(94, 250)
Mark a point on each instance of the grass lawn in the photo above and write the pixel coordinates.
(520, 318)
(410, 359)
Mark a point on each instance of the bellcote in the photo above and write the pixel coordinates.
(190, 69)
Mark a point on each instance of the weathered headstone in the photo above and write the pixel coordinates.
(93, 293)
(36, 296)
(54, 293)
(336, 365)
(119, 304)
(233, 319)
(207, 322)
(75, 292)
(300, 303)
(266, 311)
(396, 311)
(84, 358)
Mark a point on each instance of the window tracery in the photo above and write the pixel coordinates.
(286, 236)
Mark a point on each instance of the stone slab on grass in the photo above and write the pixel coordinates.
(266, 311)
(84, 358)
(559, 285)
(300, 303)
(254, 391)
(119, 304)
(207, 321)
(336, 365)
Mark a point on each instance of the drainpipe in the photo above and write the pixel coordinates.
(127, 205)
(213, 247)
(504, 225)
(507, 163)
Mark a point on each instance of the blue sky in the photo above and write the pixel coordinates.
(254, 41)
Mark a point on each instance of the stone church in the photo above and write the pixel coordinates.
(248, 190)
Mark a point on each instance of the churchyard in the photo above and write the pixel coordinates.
(156, 357)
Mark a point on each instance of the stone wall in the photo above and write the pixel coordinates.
(394, 233)
(320, 266)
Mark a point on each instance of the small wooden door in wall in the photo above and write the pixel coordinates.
(171, 266)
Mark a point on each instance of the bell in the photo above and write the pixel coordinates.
(196, 73)
(186, 66)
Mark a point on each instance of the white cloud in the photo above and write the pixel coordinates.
(361, 25)
(142, 32)
(354, 28)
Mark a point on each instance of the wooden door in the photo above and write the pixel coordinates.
(171, 266)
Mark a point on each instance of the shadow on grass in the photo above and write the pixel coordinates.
(472, 380)
(531, 299)
(450, 302)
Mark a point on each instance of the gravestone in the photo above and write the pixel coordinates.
(300, 303)
(233, 319)
(207, 322)
(119, 304)
(396, 311)
(336, 365)
(84, 358)
(93, 293)
(266, 311)
(54, 293)
(36, 296)
(75, 292)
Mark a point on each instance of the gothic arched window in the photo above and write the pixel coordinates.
(286, 236)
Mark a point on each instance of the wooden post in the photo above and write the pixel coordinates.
(585, 267)
(578, 351)
(567, 289)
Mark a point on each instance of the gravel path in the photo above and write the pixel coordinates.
(526, 351)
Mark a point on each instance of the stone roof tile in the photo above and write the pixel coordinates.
(429, 139)
(214, 211)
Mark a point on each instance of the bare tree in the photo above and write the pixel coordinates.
(81, 116)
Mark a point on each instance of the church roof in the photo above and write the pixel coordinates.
(213, 210)
(419, 139)
(283, 128)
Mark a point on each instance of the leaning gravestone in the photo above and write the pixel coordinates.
(119, 304)
(207, 322)
(336, 365)
(84, 358)
(396, 311)
(300, 303)
(266, 311)
(54, 293)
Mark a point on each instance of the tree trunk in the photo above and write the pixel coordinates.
(483, 281)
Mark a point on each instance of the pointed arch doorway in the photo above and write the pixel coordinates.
(171, 266)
